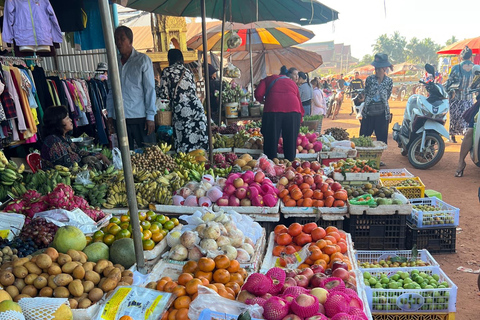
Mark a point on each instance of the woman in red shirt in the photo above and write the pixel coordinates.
(282, 114)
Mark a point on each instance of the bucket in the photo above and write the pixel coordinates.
(231, 110)
(244, 109)
(255, 111)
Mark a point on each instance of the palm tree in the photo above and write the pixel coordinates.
(452, 40)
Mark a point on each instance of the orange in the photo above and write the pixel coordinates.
(243, 272)
(166, 278)
(205, 281)
(157, 237)
(219, 286)
(331, 238)
(126, 318)
(230, 290)
(206, 275)
(325, 257)
(321, 263)
(182, 314)
(315, 254)
(222, 262)
(330, 249)
(343, 246)
(190, 267)
(331, 229)
(161, 284)
(303, 266)
(221, 276)
(237, 277)
(321, 243)
(125, 218)
(234, 266)
(147, 234)
(179, 291)
(192, 286)
(182, 302)
(335, 234)
(184, 278)
(213, 287)
(337, 255)
(169, 286)
(234, 286)
(206, 264)
(172, 314)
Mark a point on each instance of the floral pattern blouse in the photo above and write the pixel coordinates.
(375, 92)
(58, 150)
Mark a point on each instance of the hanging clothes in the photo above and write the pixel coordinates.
(70, 14)
(91, 37)
(42, 87)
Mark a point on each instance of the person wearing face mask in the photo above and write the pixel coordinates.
(58, 148)
(378, 88)
(138, 91)
(102, 71)
(306, 92)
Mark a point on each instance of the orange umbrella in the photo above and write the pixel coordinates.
(457, 47)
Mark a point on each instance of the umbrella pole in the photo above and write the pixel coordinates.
(222, 51)
(251, 62)
(207, 80)
(122, 131)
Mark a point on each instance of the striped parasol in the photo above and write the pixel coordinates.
(265, 35)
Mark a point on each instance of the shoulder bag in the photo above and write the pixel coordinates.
(375, 108)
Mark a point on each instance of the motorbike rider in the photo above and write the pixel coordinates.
(355, 84)
(378, 88)
(468, 138)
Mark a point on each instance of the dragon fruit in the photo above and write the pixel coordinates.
(80, 202)
(231, 157)
(31, 196)
(35, 207)
(17, 206)
(218, 158)
(60, 197)
(94, 214)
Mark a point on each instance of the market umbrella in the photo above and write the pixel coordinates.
(268, 62)
(403, 68)
(302, 12)
(265, 35)
(457, 47)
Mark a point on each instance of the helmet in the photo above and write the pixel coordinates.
(476, 69)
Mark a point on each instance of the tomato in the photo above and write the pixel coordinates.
(302, 239)
(295, 229)
(309, 227)
(318, 233)
(284, 239)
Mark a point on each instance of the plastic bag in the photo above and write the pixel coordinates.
(136, 302)
(266, 165)
(83, 178)
(215, 302)
(114, 140)
(345, 144)
(117, 159)
(12, 222)
(76, 218)
(366, 199)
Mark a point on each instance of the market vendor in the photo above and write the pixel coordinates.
(58, 148)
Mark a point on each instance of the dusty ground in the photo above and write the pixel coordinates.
(459, 192)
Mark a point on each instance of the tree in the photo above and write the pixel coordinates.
(366, 60)
(452, 40)
(393, 46)
(422, 51)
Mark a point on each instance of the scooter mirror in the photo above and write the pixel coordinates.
(430, 69)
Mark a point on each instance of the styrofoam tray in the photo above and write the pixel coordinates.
(162, 208)
(396, 173)
(221, 150)
(302, 156)
(249, 151)
(376, 256)
(352, 153)
(358, 176)
(253, 210)
(333, 213)
(358, 210)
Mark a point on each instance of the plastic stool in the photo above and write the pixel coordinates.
(432, 193)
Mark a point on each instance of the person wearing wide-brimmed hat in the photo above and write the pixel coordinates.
(457, 85)
(378, 88)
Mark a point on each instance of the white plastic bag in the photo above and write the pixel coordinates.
(215, 302)
(76, 218)
(117, 159)
(83, 178)
(13, 222)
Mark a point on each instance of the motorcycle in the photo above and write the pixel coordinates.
(400, 92)
(420, 135)
(335, 104)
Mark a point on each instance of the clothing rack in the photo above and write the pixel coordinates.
(36, 59)
(71, 73)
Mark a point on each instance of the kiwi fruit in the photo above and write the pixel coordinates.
(127, 273)
(54, 269)
(128, 280)
(109, 284)
(83, 257)
(92, 276)
(30, 290)
(32, 268)
(107, 270)
(63, 258)
(61, 292)
(88, 266)
(62, 279)
(20, 262)
(44, 261)
(7, 278)
(69, 267)
(119, 266)
(151, 285)
(50, 281)
(40, 282)
(30, 278)
(46, 292)
(100, 266)
(78, 272)
(73, 303)
(20, 272)
(115, 274)
(84, 303)
(95, 294)
(12, 291)
(52, 253)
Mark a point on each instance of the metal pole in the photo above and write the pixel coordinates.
(251, 62)
(222, 50)
(207, 80)
(122, 131)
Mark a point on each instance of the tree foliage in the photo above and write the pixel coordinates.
(452, 40)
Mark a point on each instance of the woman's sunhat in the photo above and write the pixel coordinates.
(381, 61)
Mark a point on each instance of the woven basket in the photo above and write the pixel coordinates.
(163, 118)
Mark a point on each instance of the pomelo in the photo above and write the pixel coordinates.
(122, 252)
(4, 295)
(7, 305)
(63, 313)
(96, 251)
(69, 237)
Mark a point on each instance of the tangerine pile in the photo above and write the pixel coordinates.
(221, 274)
(326, 245)
(310, 194)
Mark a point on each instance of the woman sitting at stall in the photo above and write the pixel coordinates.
(58, 148)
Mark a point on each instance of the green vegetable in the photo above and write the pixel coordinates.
(313, 118)
(362, 141)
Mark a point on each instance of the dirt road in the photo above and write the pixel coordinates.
(459, 192)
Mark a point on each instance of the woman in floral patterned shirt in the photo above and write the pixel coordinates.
(189, 120)
(378, 88)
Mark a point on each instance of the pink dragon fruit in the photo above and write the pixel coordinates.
(80, 202)
(94, 214)
(231, 157)
(60, 197)
(31, 196)
(17, 206)
(218, 158)
(35, 207)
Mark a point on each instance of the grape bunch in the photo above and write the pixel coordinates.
(40, 231)
(272, 177)
(17, 248)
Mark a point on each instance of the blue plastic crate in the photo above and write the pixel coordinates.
(208, 314)
(444, 215)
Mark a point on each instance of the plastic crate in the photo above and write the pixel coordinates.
(377, 232)
(410, 300)
(414, 316)
(435, 240)
(409, 192)
(395, 173)
(376, 256)
(445, 216)
(208, 314)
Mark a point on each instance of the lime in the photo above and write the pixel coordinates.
(114, 220)
(148, 244)
(123, 234)
(108, 239)
(151, 216)
(161, 218)
(145, 225)
(175, 221)
(114, 229)
(169, 225)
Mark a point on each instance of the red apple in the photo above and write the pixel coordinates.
(259, 176)
(308, 179)
(317, 178)
(341, 273)
(296, 164)
(306, 164)
(238, 182)
(329, 181)
(298, 179)
(336, 186)
(302, 281)
(338, 264)
(315, 166)
(307, 272)
(317, 279)
(316, 268)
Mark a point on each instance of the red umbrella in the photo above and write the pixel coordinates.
(457, 47)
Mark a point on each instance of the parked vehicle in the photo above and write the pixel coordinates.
(358, 100)
(420, 135)
(399, 92)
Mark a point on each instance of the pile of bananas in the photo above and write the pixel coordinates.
(93, 193)
(220, 172)
(10, 172)
(240, 139)
(45, 181)
(222, 141)
(107, 153)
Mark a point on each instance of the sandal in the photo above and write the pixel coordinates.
(459, 173)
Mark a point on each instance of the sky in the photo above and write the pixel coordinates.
(361, 22)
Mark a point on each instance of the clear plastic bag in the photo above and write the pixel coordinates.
(266, 165)
(117, 159)
(83, 178)
(76, 218)
(215, 302)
